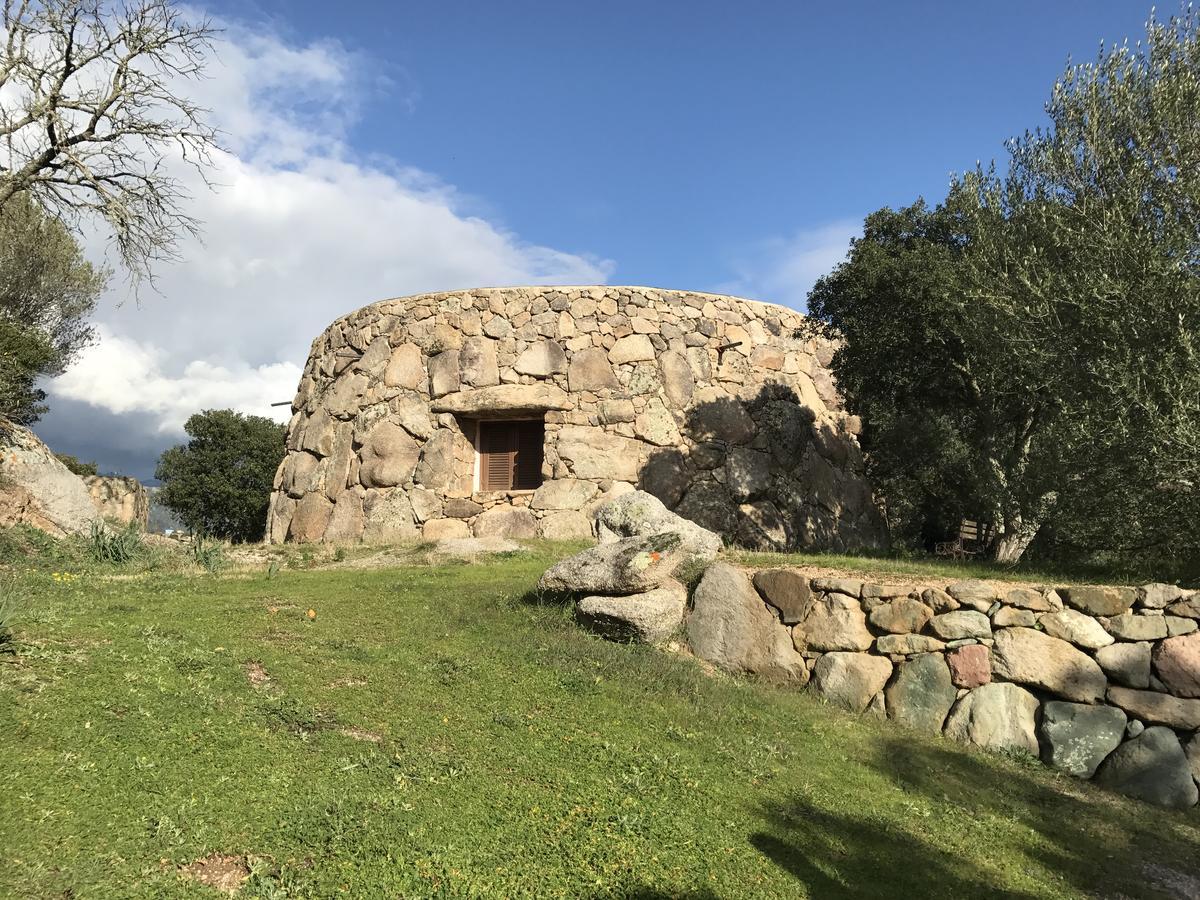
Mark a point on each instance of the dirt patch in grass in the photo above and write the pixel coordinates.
(220, 871)
(280, 607)
(257, 675)
(348, 681)
(361, 734)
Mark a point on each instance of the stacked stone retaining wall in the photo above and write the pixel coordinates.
(1101, 682)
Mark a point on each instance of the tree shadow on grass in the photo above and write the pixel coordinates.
(1089, 841)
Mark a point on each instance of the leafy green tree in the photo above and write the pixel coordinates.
(948, 417)
(47, 292)
(219, 483)
(1105, 258)
(1027, 352)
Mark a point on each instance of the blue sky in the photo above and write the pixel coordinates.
(675, 138)
(383, 149)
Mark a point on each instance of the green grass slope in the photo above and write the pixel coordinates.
(435, 731)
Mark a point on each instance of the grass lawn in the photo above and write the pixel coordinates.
(435, 731)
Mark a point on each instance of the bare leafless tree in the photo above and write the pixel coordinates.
(92, 121)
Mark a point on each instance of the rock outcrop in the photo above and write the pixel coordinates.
(119, 499)
(36, 489)
(632, 573)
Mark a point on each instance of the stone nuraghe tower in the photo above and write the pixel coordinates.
(517, 411)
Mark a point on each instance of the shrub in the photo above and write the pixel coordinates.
(219, 482)
(76, 465)
(114, 545)
(208, 554)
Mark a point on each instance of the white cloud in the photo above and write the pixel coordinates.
(299, 232)
(124, 376)
(783, 270)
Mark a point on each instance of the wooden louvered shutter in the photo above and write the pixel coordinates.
(527, 472)
(510, 455)
(497, 453)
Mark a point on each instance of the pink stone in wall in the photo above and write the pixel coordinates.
(1177, 662)
(970, 665)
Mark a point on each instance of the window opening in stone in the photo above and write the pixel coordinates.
(510, 455)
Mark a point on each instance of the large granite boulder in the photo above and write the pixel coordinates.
(647, 618)
(903, 615)
(833, 622)
(541, 359)
(36, 489)
(1032, 600)
(631, 565)
(850, 680)
(502, 398)
(1158, 595)
(346, 521)
(638, 513)
(786, 590)
(961, 624)
(1177, 663)
(1152, 706)
(970, 665)
(907, 644)
(1152, 767)
(731, 627)
(1193, 755)
(310, 518)
(978, 595)
(921, 694)
(563, 493)
(998, 716)
(1098, 600)
(1079, 736)
(512, 522)
(119, 499)
(1033, 658)
(1126, 664)
(1131, 627)
(388, 516)
(708, 504)
(564, 525)
(389, 456)
(589, 370)
(1080, 629)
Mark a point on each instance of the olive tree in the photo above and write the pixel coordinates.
(1027, 352)
(47, 292)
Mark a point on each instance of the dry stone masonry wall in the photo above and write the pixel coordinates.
(1101, 682)
(716, 405)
